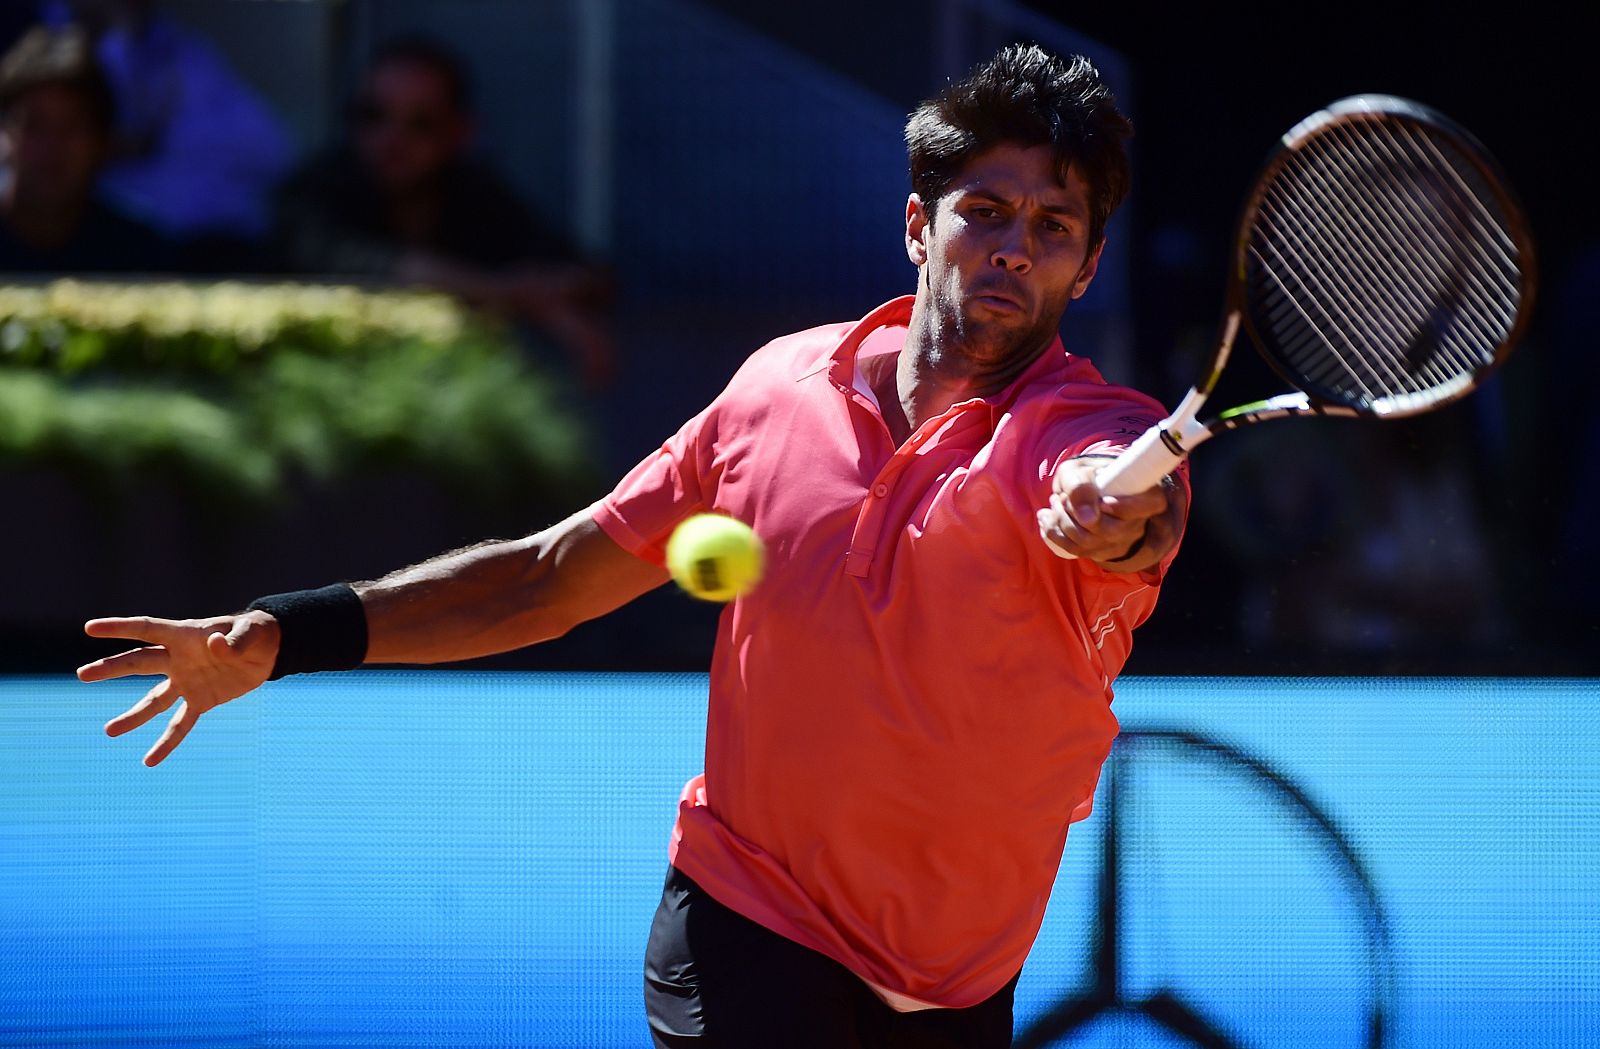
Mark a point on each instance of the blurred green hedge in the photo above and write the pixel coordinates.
(239, 389)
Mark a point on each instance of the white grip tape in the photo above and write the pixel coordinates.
(1142, 466)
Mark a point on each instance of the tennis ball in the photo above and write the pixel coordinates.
(714, 557)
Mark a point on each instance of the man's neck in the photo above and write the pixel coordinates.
(932, 374)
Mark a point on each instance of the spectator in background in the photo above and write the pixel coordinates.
(404, 200)
(197, 152)
(56, 114)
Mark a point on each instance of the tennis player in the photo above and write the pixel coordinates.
(909, 711)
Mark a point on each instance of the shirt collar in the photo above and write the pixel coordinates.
(842, 367)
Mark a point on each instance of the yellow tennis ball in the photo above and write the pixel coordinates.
(714, 557)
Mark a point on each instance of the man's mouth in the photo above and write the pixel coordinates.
(998, 300)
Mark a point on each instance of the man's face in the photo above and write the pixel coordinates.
(1005, 251)
(52, 144)
(407, 130)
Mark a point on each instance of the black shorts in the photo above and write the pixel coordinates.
(714, 979)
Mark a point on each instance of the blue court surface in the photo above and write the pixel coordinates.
(471, 859)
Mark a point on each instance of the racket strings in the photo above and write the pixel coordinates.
(1381, 264)
(1351, 285)
(1325, 333)
(1429, 269)
(1356, 192)
(1473, 191)
(1328, 264)
(1443, 251)
(1327, 344)
(1443, 262)
(1333, 348)
(1464, 199)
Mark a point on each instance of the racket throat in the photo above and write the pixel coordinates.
(1230, 331)
(1278, 407)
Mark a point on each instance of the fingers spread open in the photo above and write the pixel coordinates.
(153, 660)
(182, 721)
(153, 703)
(137, 628)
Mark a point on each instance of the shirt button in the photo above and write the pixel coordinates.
(881, 490)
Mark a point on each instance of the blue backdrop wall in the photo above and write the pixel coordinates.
(471, 859)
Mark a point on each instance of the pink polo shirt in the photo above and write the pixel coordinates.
(915, 702)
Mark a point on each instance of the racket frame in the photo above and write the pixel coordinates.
(1165, 445)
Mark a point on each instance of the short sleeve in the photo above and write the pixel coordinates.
(1108, 426)
(687, 474)
(661, 491)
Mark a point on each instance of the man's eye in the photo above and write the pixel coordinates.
(1054, 227)
(985, 212)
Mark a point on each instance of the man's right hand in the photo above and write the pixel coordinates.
(206, 662)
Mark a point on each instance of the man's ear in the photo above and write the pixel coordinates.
(916, 230)
(1086, 272)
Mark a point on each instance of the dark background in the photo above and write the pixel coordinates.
(1211, 91)
(1213, 88)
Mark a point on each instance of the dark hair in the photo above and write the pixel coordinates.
(1026, 96)
(436, 57)
(57, 58)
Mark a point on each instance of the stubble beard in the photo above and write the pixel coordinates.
(991, 343)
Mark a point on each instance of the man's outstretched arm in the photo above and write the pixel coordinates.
(489, 598)
(500, 596)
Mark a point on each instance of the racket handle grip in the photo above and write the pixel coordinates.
(1143, 465)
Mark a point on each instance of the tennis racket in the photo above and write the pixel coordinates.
(1381, 266)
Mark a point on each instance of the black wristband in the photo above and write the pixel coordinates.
(322, 629)
(1138, 544)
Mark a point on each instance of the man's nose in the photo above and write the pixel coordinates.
(1013, 253)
